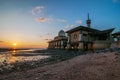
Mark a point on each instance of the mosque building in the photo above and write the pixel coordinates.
(82, 38)
(116, 39)
(59, 42)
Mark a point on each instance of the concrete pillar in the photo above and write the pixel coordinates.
(62, 47)
(90, 46)
(68, 46)
(68, 38)
(81, 46)
(56, 44)
(59, 44)
(75, 47)
(80, 36)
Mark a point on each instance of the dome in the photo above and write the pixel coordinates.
(61, 33)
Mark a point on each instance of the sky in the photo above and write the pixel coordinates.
(32, 23)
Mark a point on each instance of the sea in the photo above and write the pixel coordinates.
(20, 56)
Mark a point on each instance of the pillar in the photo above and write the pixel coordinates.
(81, 46)
(62, 47)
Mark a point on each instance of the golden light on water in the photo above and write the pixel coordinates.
(14, 52)
(12, 59)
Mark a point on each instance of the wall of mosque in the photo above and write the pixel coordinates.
(81, 46)
(60, 44)
(74, 37)
(79, 36)
(99, 44)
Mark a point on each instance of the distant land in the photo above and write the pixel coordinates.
(10, 49)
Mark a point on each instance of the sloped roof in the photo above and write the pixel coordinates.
(106, 31)
(81, 28)
(116, 33)
(90, 29)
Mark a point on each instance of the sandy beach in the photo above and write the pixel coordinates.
(93, 66)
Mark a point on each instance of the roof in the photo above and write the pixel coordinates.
(61, 33)
(106, 31)
(116, 33)
(82, 28)
(90, 29)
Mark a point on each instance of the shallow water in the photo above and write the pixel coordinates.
(20, 56)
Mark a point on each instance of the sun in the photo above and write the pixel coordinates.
(14, 44)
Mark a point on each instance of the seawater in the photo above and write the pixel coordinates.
(20, 56)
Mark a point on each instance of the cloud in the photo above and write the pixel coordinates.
(69, 26)
(62, 20)
(79, 22)
(38, 10)
(41, 19)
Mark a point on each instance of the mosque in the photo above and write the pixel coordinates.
(82, 38)
(116, 39)
(59, 42)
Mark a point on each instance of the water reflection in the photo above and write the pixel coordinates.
(20, 56)
(12, 59)
(14, 52)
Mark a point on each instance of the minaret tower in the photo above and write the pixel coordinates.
(88, 21)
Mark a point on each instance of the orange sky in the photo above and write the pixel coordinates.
(10, 44)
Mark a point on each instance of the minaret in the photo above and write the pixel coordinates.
(88, 22)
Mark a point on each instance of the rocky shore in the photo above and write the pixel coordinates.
(67, 65)
(55, 56)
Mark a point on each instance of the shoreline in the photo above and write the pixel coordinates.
(56, 57)
(94, 66)
(11, 49)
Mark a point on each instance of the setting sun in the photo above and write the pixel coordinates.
(14, 44)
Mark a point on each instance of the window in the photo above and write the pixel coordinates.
(75, 36)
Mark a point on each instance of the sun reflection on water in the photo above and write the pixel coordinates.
(12, 59)
(14, 52)
(20, 56)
